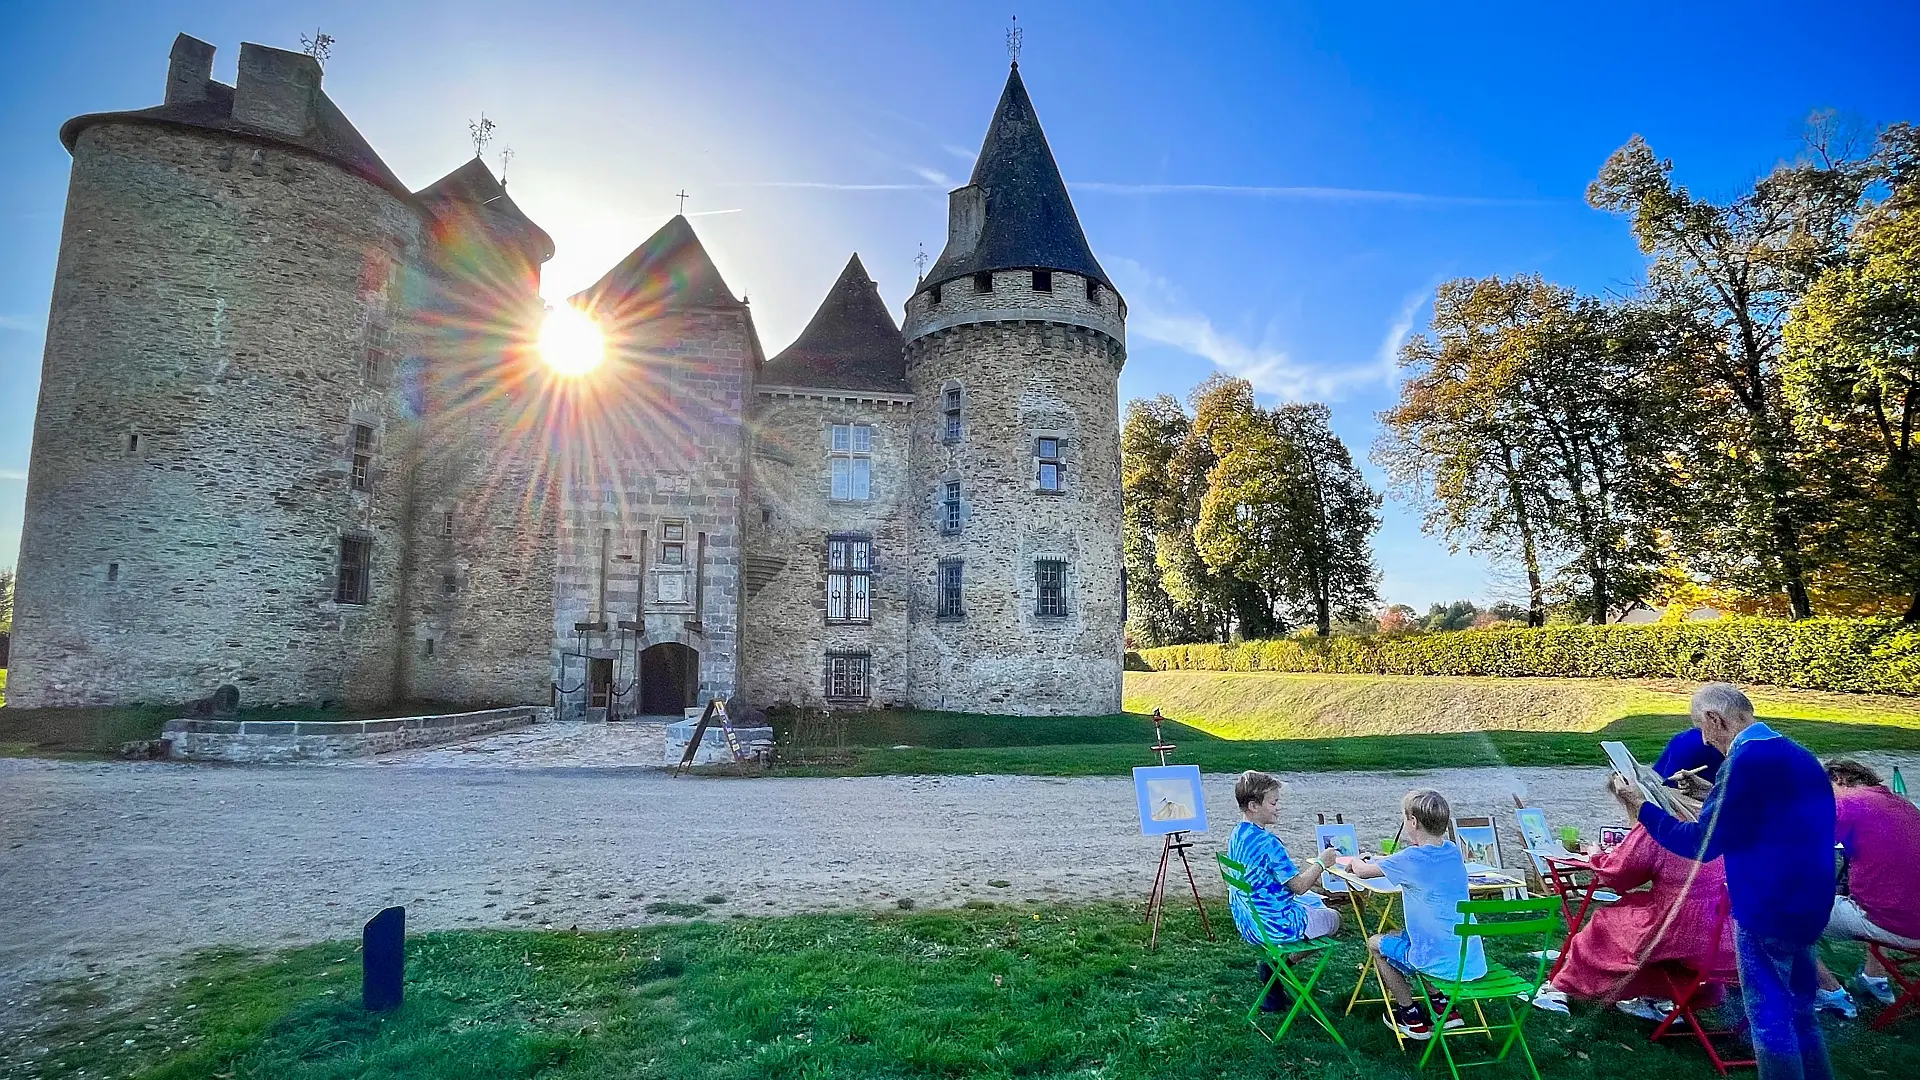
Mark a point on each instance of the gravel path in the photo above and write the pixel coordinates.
(111, 866)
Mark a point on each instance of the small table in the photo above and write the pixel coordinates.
(1562, 867)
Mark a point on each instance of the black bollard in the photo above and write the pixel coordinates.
(383, 960)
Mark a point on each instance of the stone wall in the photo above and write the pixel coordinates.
(790, 515)
(656, 435)
(273, 741)
(214, 307)
(1014, 298)
(1020, 380)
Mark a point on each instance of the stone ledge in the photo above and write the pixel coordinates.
(265, 741)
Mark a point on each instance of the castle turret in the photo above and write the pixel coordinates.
(214, 493)
(1015, 339)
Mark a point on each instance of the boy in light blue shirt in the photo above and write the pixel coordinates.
(1432, 876)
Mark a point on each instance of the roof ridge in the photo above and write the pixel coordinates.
(851, 343)
(669, 271)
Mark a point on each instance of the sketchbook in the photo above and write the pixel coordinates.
(1651, 784)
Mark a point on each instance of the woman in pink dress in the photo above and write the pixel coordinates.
(1640, 946)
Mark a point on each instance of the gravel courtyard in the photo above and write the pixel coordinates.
(109, 866)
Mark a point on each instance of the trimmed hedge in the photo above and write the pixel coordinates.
(1880, 656)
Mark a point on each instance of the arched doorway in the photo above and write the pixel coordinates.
(669, 678)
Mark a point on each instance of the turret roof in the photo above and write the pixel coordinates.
(850, 344)
(1030, 220)
(473, 186)
(669, 271)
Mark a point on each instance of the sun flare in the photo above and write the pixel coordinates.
(570, 341)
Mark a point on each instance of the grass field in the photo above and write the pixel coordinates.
(1016, 990)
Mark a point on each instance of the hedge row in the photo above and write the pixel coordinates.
(1851, 655)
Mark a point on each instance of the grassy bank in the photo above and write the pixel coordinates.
(990, 992)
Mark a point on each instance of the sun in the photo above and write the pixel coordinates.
(570, 341)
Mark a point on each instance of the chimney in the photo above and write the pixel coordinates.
(275, 90)
(189, 69)
(966, 216)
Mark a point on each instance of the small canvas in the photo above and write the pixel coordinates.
(1533, 829)
(1479, 840)
(1169, 799)
(1341, 838)
(1612, 836)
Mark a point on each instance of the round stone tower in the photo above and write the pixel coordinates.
(217, 481)
(1015, 340)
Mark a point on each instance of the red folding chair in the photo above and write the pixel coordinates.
(1903, 968)
(1695, 990)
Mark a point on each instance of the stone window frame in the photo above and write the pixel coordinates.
(952, 507)
(1041, 461)
(449, 583)
(675, 568)
(359, 456)
(1054, 605)
(953, 404)
(854, 554)
(856, 450)
(353, 570)
(1043, 281)
(983, 282)
(848, 675)
(954, 590)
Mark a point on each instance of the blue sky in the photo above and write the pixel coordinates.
(1276, 188)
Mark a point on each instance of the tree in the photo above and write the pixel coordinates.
(1458, 615)
(6, 600)
(1398, 619)
(1853, 379)
(1726, 275)
(1151, 507)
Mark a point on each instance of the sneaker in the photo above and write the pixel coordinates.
(1548, 999)
(1446, 1009)
(1644, 1008)
(1880, 988)
(1410, 1021)
(1836, 1000)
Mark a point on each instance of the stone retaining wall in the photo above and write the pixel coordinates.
(264, 741)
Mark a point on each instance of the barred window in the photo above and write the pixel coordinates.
(949, 602)
(360, 477)
(1047, 450)
(847, 676)
(952, 404)
(356, 570)
(1050, 587)
(852, 462)
(849, 579)
(950, 507)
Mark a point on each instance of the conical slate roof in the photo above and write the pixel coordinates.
(851, 344)
(1030, 221)
(473, 189)
(669, 271)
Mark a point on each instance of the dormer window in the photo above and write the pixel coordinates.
(1043, 281)
(983, 282)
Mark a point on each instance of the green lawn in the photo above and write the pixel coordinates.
(1227, 722)
(1016, 990)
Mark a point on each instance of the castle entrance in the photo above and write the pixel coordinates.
(669, 678)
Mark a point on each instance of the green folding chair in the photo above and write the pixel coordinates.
(1278, 954)
(1537, 915)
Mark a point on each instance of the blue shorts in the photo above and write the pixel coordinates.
(1393, 949)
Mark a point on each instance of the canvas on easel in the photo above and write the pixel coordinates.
(1479, 840)
(1342, 838)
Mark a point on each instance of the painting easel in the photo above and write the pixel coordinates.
(1172, 843)
(700, 733)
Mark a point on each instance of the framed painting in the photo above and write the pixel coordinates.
(1170, 799)
(1479, 840)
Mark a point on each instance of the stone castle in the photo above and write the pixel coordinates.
(294, 434)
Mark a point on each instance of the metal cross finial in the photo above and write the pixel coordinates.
(506, 155)
(920, 263)
(319, 46)
(683, 200)
(481, 132)
(1014, 36)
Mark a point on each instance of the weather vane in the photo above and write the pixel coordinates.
(683, 200)
(920, 263)
(1014, 36)
(506, 155)
(319, 46)
(481, 132)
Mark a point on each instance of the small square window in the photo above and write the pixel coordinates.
(673, 530)
(1043, 281)
(113, 571)
(1093, 290)
(933, 296)
(847, 676)
(842, 437)
(983, 282)
(673, 555)
(449, 584)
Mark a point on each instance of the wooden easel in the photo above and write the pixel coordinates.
(700, 733)
(1171, 843)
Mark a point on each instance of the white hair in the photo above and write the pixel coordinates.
(1724, 698)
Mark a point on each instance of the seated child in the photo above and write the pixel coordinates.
(1432, 876)
(1280, 892)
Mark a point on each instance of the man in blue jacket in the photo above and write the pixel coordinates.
(1770, 816)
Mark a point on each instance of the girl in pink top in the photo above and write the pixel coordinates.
(1646, 942)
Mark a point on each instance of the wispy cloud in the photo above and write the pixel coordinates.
(1320, 194)
(933, 176)
(1399, 331)
(820, 185)
(960, 152)
(13, 474)
(23, 324)
(1157, 313)
(710, 213)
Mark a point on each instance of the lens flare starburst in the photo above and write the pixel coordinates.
(570, 341)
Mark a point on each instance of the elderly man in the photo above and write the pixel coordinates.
(1770, 817)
